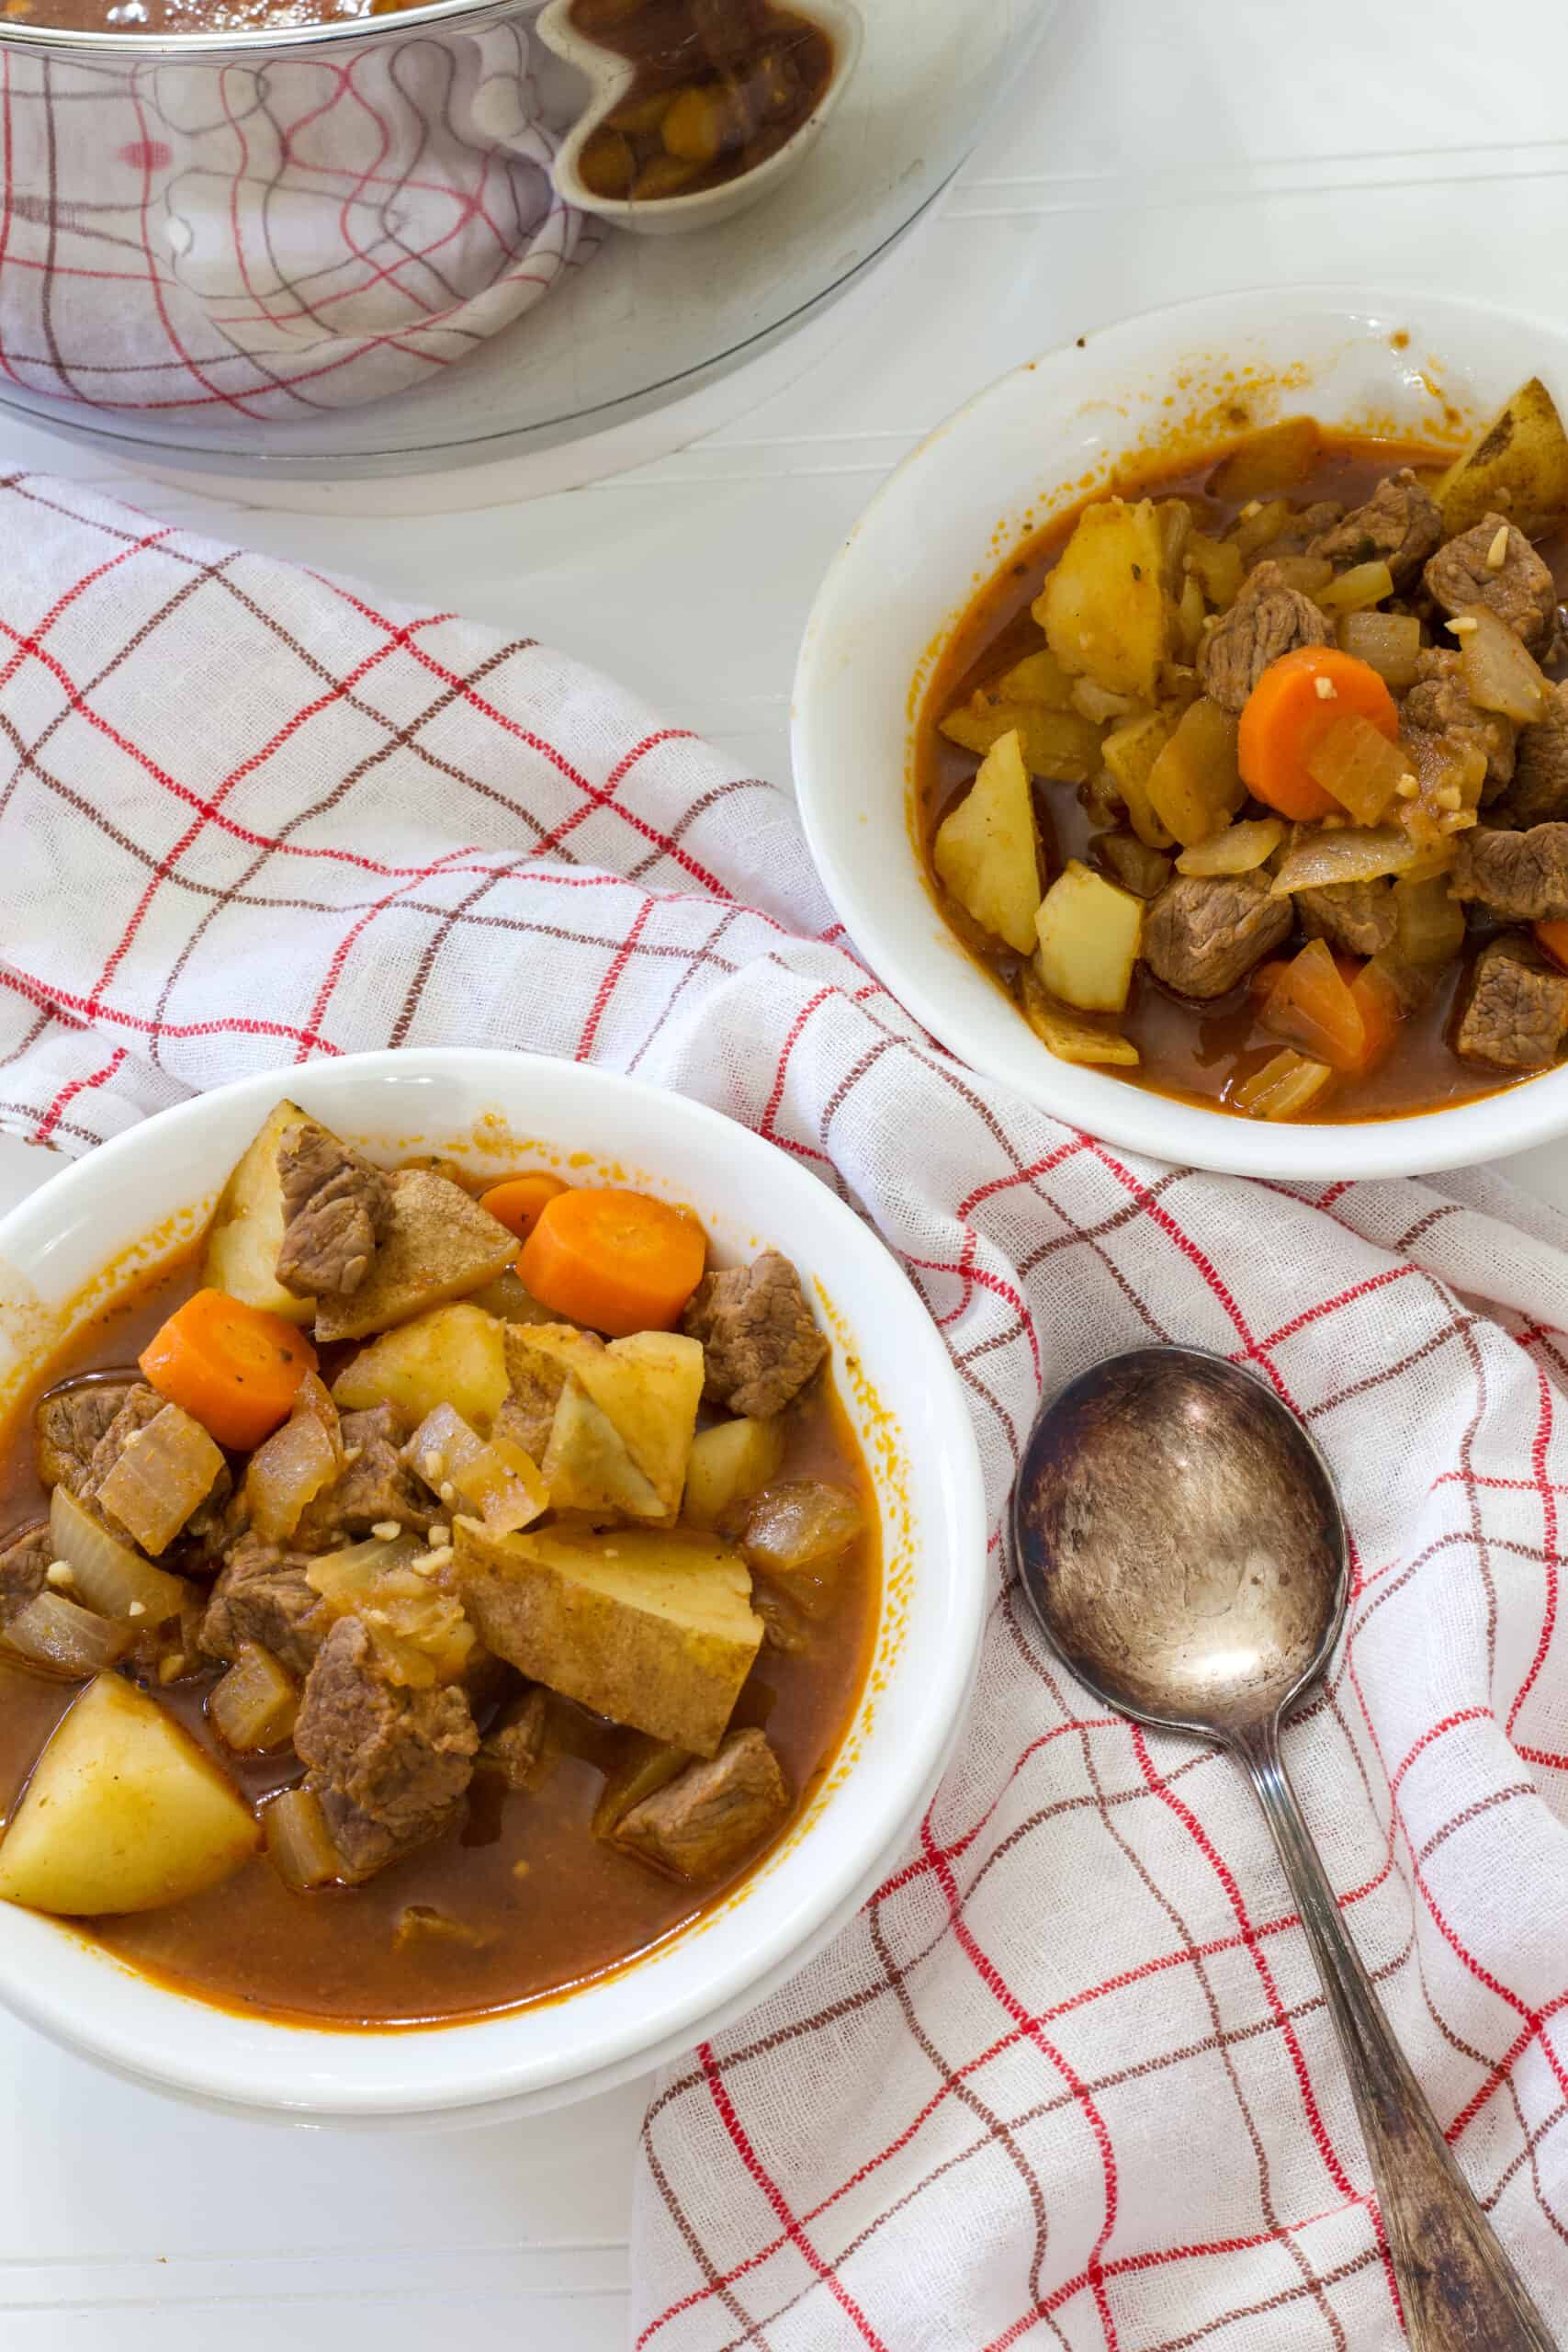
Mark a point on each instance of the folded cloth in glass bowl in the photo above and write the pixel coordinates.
(274, 231)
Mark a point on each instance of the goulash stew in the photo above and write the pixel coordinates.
(1251, 787)
(425, 1603)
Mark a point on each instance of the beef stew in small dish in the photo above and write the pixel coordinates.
(1271, 804)
(424, 1597)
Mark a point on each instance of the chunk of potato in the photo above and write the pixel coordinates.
(1276, 458)
(642, 1391)
(730, 1464)
(1104, 607)
(1090, 936)
(1518, 467)
(441, 1244)
(1060, 745)
(454, 1355)
(1067, 1034)
(654, 1630)
(1130, 752)
(246, 1232)
(1038, 678)
(1195, 785)
(123, 1813)
(987, 851)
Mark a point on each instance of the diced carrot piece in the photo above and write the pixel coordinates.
(619, 1261)
(518, 1202)
(1312, 1006)
(1377, 1001)
(230, 1367)
(1553, 937)
(1288, 711)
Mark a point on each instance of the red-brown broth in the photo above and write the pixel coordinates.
(557, 1905)
(1198, 1053)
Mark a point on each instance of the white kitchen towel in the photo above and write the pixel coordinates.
(1068, 2078)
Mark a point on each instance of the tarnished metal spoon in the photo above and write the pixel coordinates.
(1181, 1540)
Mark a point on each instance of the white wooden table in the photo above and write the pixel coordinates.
(1159, 152)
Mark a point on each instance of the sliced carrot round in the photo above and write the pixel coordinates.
(1553, 937)
(1291, 709)
(618, 1262)
(517, 1202)
(230, 1367)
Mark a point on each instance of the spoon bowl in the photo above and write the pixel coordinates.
(1181, 1541)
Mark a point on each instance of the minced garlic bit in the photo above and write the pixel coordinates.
(435, 1559)
(59, 1572)
(1254, 506)
(1448, 796)
(1465, 623)
(1210, 620)
(387, 1530)
(170, 1668)
(433, 1467)
(1333, 823)
(447, 1491)
(137, 1608)
(376, 1617)
(1326, 690)
(438, 1536)
(1407, 788)
(1497, 553)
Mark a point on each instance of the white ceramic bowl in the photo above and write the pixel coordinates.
(611, 76)
(85, 1231)
(1172, 381)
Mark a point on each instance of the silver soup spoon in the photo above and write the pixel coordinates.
(1181, 1540)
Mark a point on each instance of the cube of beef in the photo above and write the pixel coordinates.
(761, 1343)
(1266, 619)
(1519, 588)
(1518, 1009)
(390, 1764)
(714, 1814)
(337, 1207)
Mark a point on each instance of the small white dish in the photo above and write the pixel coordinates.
(611, 76)
(134, 1201)
(1184, 380)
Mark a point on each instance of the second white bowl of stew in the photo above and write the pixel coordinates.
(1183, 732)
(489, 1563)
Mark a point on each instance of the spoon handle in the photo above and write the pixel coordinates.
(1457, 2286)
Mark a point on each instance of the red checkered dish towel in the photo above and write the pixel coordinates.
(1068, 2080)
(271, 240)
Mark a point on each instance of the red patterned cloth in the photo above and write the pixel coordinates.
(276, 238)
(1068, 2080)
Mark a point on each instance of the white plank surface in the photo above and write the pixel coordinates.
(1157, 152)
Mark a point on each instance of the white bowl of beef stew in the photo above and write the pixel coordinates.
(514, 1959)
(925, 630)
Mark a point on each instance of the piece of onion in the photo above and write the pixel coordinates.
(1431, 922)
(492, 1476)
(110, 1577)
(1500, 671)
(347, 1578)
(164, 1472)
(647, 1766)
(253, 1706)
(294, 1465)
(299, 1843)
(1356, 853)
(54, 1631)
(1355, 762)
(1282, 1087)
(799, 1525)
(1240, 849)
(1309, 575)
(1354, 591)
(1389, 643)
